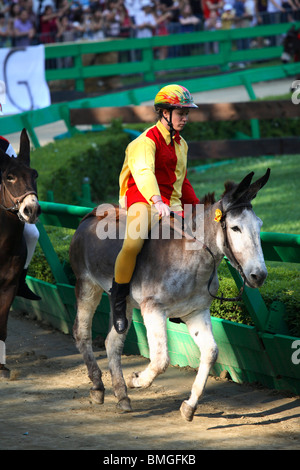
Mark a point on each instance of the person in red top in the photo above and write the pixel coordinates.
(154, 176)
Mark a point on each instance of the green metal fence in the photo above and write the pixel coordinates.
(149, 65)
(61, 111)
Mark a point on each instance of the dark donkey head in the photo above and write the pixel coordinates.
(18, 185)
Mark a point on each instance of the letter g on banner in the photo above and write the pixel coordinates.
(22, 70)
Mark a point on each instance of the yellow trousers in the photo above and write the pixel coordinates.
(140, 218)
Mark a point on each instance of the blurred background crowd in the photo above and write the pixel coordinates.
(30, 22)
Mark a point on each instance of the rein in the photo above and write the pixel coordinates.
(227, 252)
(15, 200)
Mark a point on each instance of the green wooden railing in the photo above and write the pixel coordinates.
(61, 111)
(149, 65)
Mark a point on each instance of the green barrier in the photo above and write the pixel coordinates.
(61, 111)
(263, 353)
(148, 65)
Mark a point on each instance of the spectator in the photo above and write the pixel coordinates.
(48, 25)
(145, 21)
(162, 18)
(290, 8)
(65, 33)
(112, 19)
(65, 29)
(126, 23)
(188, 20)
(132, 7)
(211, 13)
(5, 31)
(24, 30)
(49, 21)
(39, 6)
(97, 25)
(228, 17)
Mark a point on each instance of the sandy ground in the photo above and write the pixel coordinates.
(46, 404)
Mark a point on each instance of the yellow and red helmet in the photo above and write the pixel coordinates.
(174, 96)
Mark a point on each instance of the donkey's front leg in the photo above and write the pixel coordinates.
(88, 297)
(155, 323)
(200, 329)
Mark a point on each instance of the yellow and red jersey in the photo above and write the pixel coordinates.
(154, 167)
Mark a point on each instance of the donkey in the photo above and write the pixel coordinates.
(18, 204)
(175, 278)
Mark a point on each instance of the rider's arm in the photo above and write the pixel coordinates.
(141, 162)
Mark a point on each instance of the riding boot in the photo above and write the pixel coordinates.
(23, 290)
(118, 294)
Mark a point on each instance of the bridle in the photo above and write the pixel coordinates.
(16, 200)
(228, 253)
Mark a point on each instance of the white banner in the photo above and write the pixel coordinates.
(22, 79)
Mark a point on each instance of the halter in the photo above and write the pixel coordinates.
(229, 254)
(15, 200)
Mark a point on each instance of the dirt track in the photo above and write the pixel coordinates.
(47, 406)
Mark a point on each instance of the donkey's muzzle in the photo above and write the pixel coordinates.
(257, 278)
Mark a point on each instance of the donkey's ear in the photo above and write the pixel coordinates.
(257, 185)
(242, 187)
(4, 160)
(24, 153)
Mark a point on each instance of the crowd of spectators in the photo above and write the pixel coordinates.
(29, 22)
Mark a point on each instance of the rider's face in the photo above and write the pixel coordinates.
(179, 118)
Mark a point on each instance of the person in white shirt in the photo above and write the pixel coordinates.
(145, 22)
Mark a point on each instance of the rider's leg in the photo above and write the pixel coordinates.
(31, 235)
(137, 227)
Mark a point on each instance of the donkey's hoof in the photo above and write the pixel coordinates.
(97, 396)
(124, 404)
(187, 412)
(133, 380)
(4, 373)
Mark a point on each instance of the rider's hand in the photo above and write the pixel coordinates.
(162, 208)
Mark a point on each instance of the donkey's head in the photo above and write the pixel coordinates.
(18, 185)
(241, 229)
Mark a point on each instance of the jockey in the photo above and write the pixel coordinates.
(31, 234)
(153, 176)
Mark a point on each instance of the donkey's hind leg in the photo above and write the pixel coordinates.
(88, 297)
(114, 347)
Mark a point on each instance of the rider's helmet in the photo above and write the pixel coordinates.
(174, 96)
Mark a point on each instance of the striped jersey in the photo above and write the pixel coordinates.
(154, 167)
